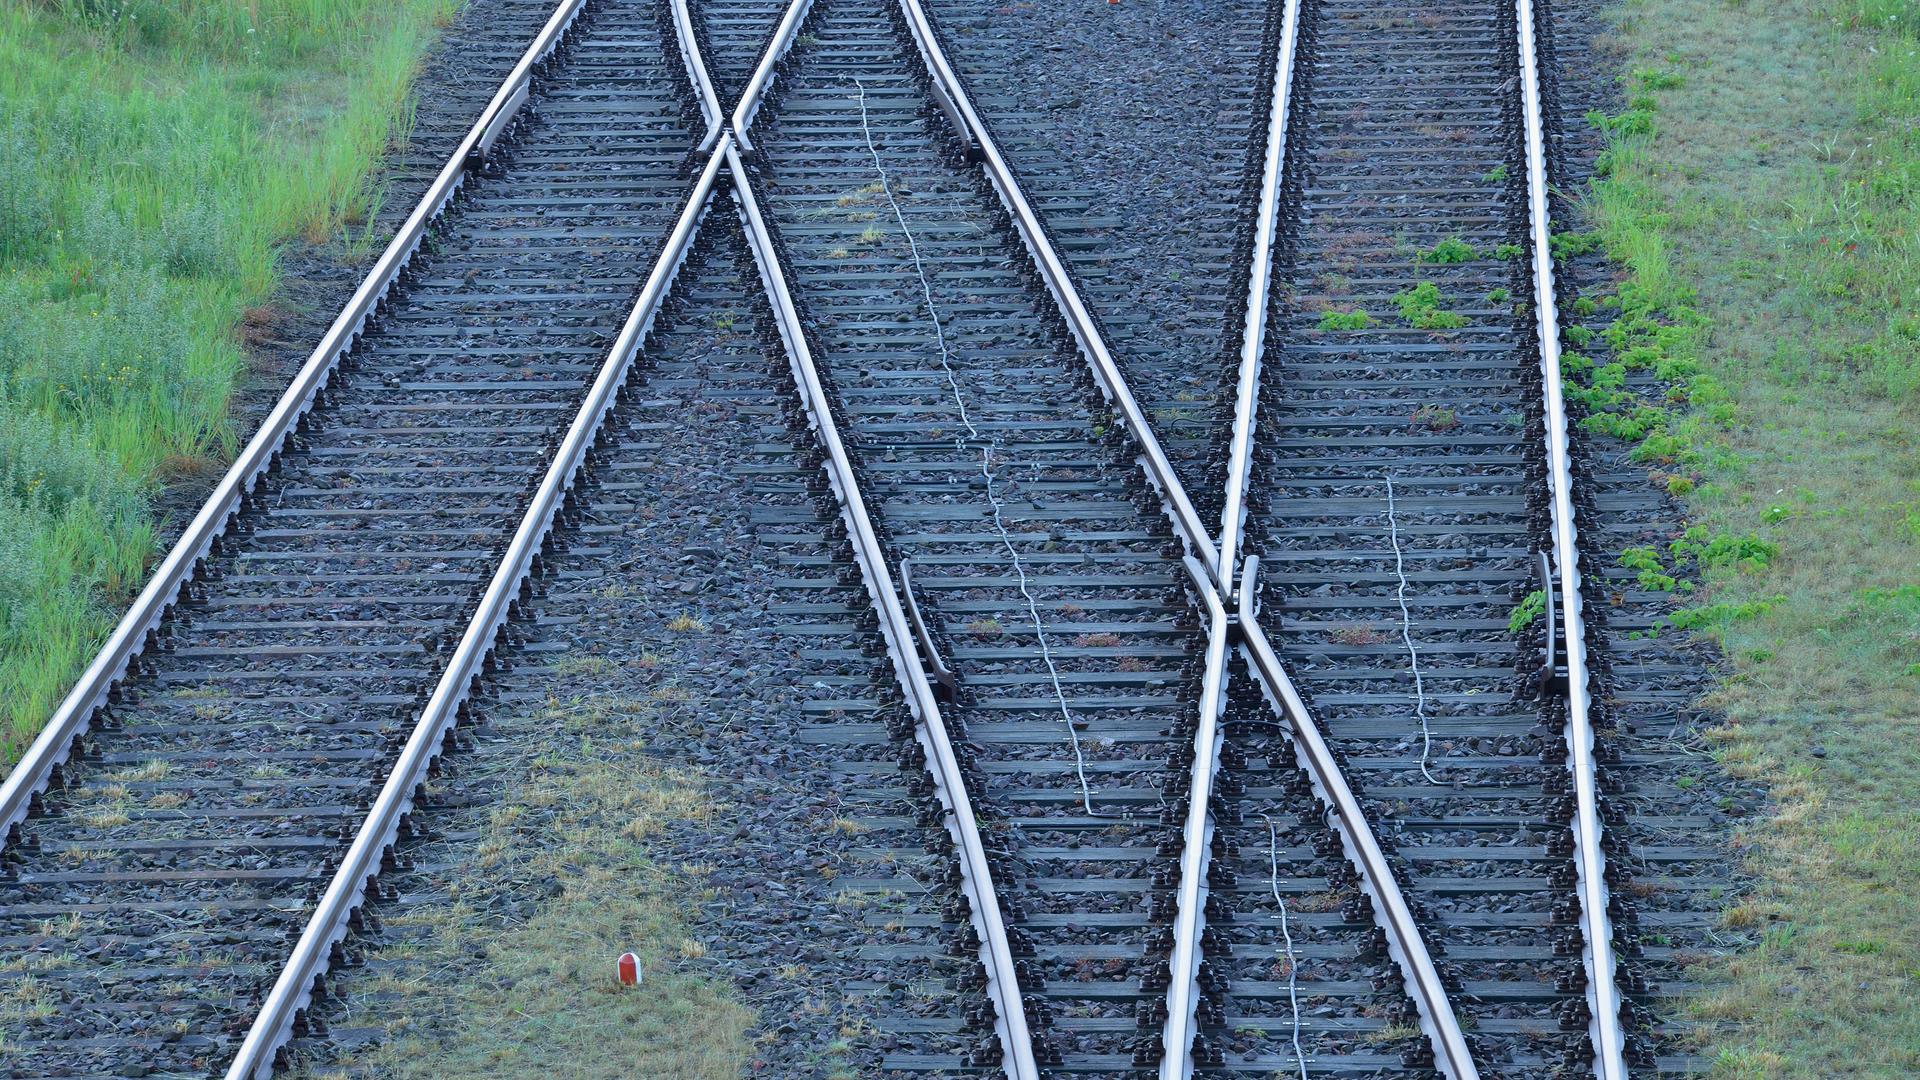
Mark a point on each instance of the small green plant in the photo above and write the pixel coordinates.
(1651, 79)
(1746, 554)
(1508, 251)
(1447, 252)
(1585, 306)
(1578, 336)
(723, 322)
(1566, 245)
(1420, 307)
(1344, 320)
(1634, 121)
(1717, 616)
(1527, 611)
(1495, 175)
(1499, 296)
(1436, 418)
(1651, 574)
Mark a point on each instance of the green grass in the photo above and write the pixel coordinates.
(1764, 209)
(153, 157)
(540, 999)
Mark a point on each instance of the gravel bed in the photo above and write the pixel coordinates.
(700, 620)
(1136, 128)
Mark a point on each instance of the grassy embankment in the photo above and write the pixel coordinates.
(1761, 193)
(153, 155)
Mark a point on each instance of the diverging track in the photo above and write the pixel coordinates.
(1224, 782)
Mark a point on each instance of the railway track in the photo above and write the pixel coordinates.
(1177, 830)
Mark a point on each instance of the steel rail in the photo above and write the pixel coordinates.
(1390, 910)
(1202, 561)
(697, 76)
(1253, 340)
(943, 765)
(1113, 384)
(132, 634)
(344, 894)
(1363, 850)
(1177, 1037)
(763, 73)
(1603, 994)
(1017, 1057)
(1190, 895)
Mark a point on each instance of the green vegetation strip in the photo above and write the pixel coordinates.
(154, 156)
(1760, 192)
(472, 994)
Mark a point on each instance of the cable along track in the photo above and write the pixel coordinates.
(1065, 766)
(1076, 1021)
(1515, 90)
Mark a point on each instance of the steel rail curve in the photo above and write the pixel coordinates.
(1404, 941)
(1153, 460)
(1390, 911)
(133, 633)
(943, 765)
(1590, 862)
(697, 76)
(1212, 578)
(763, 73)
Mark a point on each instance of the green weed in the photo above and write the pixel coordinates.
(1420, 307)
(1344, 320)
(1435, 418)
(153, 157)
(1449, 251)
(1527, 611)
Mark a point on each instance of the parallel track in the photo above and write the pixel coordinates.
(1149, 883)
(158, 894)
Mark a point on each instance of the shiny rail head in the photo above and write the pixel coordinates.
(292, 992)
(767, 70)
(1018, 1059)
(1603, 994)
(1253, 340)
(52, 748)
(1190, 921)
(1080, 321)
(687, 34)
